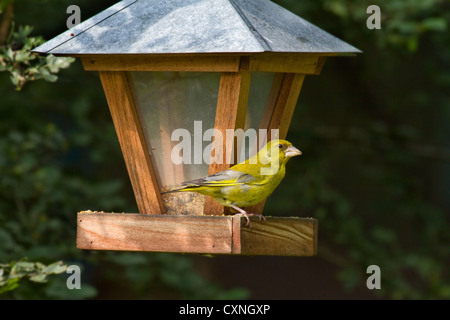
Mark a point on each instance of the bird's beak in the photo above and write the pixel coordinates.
(292, 151)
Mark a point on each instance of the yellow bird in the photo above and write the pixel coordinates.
(247, 183)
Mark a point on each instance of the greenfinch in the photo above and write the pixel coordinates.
(247, 183)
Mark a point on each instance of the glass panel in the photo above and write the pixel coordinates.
(177, 106)
(260, 89)
(167, 101)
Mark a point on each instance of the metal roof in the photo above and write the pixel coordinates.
(194, 26)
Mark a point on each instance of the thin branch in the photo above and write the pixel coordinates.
(5, 24)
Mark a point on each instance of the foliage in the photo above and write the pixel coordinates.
(58, 148)
(11, 274)
(23, 65)
(158, 276)
(375, 170)
(404, 22)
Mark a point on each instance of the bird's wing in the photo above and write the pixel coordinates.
(223, 179)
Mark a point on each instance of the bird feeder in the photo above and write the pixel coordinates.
(194, 65)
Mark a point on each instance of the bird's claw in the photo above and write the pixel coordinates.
(260, 216)
(247, 217)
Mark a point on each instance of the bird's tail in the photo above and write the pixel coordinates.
(178, 188)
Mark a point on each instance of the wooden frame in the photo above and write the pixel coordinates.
(131, 139)
(218, 234)
(304, 63)
(196, 234)
(230, 114)
(279, 115)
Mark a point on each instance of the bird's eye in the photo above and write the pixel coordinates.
(280, 146)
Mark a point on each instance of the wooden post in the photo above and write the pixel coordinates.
(270, 105)
(286, 102)
(230, 114)
(132, 142)
(281, 113)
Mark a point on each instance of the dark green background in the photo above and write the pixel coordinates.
(375, 169)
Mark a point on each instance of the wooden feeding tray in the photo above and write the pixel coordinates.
(284, 236)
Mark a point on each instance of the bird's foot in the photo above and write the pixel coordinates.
(247, 215)
(259, 215)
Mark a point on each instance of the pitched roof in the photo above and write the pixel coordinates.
(194, 26)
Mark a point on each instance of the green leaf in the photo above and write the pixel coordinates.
(39, 278)
(22, 56)
(55, 268)
(39, 265)
(54, 64)
(15, 78)
(17, 275)
(46, 75)
(24, 265)
(22, 34)
(9, 54)
(12, 284)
